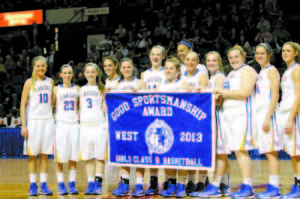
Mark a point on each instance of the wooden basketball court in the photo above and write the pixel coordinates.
(14, 179)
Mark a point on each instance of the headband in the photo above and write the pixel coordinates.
(266, 46)
(186, 43)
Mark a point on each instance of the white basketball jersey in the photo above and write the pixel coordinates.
(153, 78)
(201, 67)
(212, 80)
(66, 100)
(91, 105)
(192, 80)
(174, 86)
(39, 103)
(128, 86)
(112, 84)
(263, 93)
(288, 89)
(233, 82)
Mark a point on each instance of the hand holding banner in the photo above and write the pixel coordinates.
(161, 130)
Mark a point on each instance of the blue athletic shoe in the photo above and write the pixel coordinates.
(62, 190)
(72, 188)
(180, 192)
(113, 192)
(97, 189)
(245, 191)
(225, 190)
(33, 189)
(294, 193)
(139, 191)
(171, 191)
(44, 190)
(122, 190)
(200, 187)
(153, 189)
(165, 188)
(89, 189)
(271, 192)
(211, 191)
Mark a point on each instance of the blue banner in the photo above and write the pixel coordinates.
(161, 130)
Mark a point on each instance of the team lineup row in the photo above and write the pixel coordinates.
(248, 115)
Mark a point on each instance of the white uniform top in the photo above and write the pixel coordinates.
(233, 82)
(175, 86)
(39, 103)
(66, 100)
(192, 80)
(153, 78)
(211, 81)
(288, 89)
(91, 105)
(201, 67)
(112, 84)
(128, 86)
(263, 93)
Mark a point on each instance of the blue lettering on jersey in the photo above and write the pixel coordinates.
(154, 79)
(42, 88)
(90, 93)
(68, 95)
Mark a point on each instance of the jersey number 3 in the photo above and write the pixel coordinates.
(89, 101)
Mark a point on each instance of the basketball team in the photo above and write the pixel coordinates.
(71, 121)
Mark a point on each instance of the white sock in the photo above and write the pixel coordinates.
(248, 181)
(202, 178)
(72, 175)
(99, 175)
(139, 180)
(60, 177)
(192, 177)
(43, 177)
(225, 179)
(274, 180)
(126, 176)
(217, 181)
(32, 178)
(91, 179)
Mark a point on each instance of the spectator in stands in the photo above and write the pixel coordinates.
(122, 48)
(121, 31)
(35, 35)
(265, 34)
(8, 97)
(93, 51)
(115, 41)
(263, 22)
(51, 60)
(260, 10)
(107, 51)
(9, 66)
(160, 31)
(281, 21)
(20, 40)
(233, 37)
(209, 31)
(106, 40)
(47, 35)
(243, 42)
(224, 23)
(143, 28)
(276, 43)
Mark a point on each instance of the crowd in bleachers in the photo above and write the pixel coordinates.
(212, 25)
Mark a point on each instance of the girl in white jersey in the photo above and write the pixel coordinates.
(111, 65)
(184, 47)
(152, 78)
(269, 134)
(129, 83)
(93, 128)
(193, 80)
(65, 98)
(289, 108)
(37, 123)
(220, 185)
(238, 113)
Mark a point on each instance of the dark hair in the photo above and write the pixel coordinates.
(131, 62)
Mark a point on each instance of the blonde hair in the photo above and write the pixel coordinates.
(219, 59)
(101, 86)
(194, 54)
(296, 48)
(131, 63)
(33, 76)
(238, 48)
(162, 50)
(175, 61)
